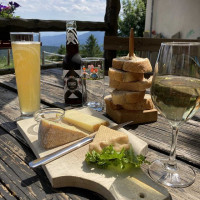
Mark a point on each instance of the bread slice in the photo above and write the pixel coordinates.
(132, 64)
(145, 104)
(106, 136)
(118, 63)
(137, 65)
(108, 100)
(137, 116)
(83, 121)
(52, 134)
(131, 86)
(124, 97)
(120, 75)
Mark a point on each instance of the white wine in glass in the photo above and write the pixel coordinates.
(175, 93)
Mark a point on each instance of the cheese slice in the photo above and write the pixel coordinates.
(84, 121)
(106, 136)
(52, 134)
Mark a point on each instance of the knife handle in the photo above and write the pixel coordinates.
(55, 155)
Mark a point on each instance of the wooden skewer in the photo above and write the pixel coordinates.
(131, 43)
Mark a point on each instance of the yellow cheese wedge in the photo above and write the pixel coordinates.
(84, 121)
(53, 134)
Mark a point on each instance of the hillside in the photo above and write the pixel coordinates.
(57, 40)
(52, 43)
(52, 49)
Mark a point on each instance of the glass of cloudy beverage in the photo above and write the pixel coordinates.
(26, 57)
(175, 93)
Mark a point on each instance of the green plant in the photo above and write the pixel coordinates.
(91, 48)
(9, 10)
(133, 16)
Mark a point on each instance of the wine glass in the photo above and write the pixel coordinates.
(175, 93)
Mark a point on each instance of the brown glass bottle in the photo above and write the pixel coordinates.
(72, 67)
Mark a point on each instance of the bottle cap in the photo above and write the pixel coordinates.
(71, 24)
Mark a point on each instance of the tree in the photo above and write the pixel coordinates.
(62, 50)
(91, 48)
(133, 16)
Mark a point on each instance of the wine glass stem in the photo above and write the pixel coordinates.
(172, 158)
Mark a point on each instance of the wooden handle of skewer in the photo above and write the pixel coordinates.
(131, 43)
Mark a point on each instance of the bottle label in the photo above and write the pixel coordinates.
(72, 36)
(72, 83)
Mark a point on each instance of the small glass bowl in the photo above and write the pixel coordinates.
(52, 114)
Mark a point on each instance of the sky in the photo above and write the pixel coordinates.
(83, 10)
(80, 10)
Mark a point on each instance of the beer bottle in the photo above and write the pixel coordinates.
(72, 67)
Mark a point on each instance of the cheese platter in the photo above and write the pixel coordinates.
(71, 170)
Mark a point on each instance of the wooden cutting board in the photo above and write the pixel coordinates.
(72, 171)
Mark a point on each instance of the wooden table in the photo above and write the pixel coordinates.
(18, 181)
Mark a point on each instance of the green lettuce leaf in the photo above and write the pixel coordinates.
(110, 157)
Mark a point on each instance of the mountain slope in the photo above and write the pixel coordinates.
(57, 40)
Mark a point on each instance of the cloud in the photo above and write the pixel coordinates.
(86, 10)
(78, 8)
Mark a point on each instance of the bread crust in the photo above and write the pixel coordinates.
(132, 64)
(131, 86)
(124, 97)
(123, 76)
(137, 65)
(137, 116)
(118, 63)
(145, 104)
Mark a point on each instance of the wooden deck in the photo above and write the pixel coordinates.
(18, 181)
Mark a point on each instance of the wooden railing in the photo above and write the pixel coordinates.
(140, 44)
(37, 25)
(112, 43)
(144, 47)
(45, 54)
(110, 26)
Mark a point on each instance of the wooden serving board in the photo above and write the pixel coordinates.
(72, 171)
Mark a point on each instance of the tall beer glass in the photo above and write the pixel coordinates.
(26, 56)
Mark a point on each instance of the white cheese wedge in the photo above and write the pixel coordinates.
(84, 121)
(106, 136)
(53, 134)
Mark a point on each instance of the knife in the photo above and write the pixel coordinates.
(57, 154)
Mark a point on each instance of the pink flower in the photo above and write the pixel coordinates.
(90, 66)
(7, 8)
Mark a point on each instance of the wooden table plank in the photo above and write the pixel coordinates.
(12, 155)
(52, 93)
(16, 174)
(23, 181)
(5, 193)
(17, 153)
(158, 134)
(190, 193)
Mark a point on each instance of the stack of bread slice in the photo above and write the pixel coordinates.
(128, 100)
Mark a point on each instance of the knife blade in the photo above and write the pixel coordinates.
(57, 154)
